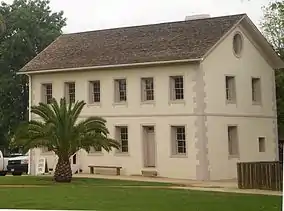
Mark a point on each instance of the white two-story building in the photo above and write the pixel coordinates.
(186, 99)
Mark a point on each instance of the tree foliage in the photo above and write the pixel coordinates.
(26, 28)
(273, 29)
(60, 130)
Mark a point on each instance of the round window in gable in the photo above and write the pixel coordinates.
(238, 44)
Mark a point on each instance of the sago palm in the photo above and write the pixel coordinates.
(61, 131)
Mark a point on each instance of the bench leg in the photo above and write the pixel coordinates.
(118, 171)
(92, 170)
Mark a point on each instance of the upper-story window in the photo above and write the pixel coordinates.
(47, 93)
(237, 44)
(230, 89)
(147, 85)
(120, 90)
(256, 90)
(70, 92)
(95, 91)
(176, 87)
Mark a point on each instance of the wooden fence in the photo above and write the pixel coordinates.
(260, 175)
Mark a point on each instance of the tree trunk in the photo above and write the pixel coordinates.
(63, 172)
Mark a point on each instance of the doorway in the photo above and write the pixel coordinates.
(149, 146)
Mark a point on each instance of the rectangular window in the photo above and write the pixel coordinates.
(70, 92)
(233, 141)
(261, 144)
(256, 90)
(230, 89)
(120, 90)
(95, 91)
(47, 93)
(178, 140)
(122, 136)
(147, 89)
(176, 86)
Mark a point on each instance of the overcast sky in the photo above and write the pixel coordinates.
(85, 15)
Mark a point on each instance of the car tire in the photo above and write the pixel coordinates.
(3, 173)
(17, 173)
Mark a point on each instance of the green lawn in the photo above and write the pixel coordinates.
(106, 195)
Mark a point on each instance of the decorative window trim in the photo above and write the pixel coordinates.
(241, 43)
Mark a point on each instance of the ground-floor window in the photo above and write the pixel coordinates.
(178, 140)
(122, 136)
(233, 144)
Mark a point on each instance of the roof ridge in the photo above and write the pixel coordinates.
(154, 24)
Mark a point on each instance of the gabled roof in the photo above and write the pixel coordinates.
(183, 40)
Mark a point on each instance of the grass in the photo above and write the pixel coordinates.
(112, 195)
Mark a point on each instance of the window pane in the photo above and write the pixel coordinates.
(180, 142)
(233, 140)
(121, 89)
(256, 96)
(96, 91)
(48, 93)
(70, 92)
(230, 88)
(177, 88)
(123, 139)
(147, 89)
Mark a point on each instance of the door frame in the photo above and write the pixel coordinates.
(142, 127)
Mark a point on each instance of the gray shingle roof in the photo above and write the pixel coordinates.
(148, 43)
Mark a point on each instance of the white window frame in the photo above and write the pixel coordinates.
(123, 142)
(233, 141)
(46, 98)
(120, 95)
(173, 89)
(256, 90)
(176, 140)
(147, 89)
(230, 89)
(68, 94)
(93, 94)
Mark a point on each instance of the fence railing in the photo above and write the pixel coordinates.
(260, 175)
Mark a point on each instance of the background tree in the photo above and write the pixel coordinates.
(27, 27)
(60, 131)
(273, 29)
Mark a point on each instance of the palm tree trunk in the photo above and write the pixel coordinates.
(63, 172)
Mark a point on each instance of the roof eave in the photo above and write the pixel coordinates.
(275, 61)
(111, 66)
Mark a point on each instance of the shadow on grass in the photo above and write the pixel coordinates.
(48, 180)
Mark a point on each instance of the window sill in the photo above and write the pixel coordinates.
(256, 103)
(122, 154)
(179, 156)
(120, 104)
(94, 105)
(234, 157)
(232, 102)
(177, 102)
(148, 102)
(96, 154)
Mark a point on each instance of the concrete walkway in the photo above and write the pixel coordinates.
(215, 186)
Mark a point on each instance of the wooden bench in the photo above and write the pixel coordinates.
(107, 167)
